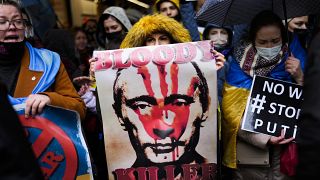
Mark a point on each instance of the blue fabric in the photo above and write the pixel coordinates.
(222, 73)
(187, 16)
(44, 61)
(236, 77)
(240, 31)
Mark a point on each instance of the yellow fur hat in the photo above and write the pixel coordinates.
(151, 24)
(156, 9)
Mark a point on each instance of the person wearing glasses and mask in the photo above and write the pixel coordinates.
(32, 76)
(265, 53)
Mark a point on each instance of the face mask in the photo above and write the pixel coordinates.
(11, 52)
(269, 53)
(219, 38)
(10, 48)
(302, 36)
(114, 35)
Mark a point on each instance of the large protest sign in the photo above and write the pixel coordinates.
(273, 106)
(58, 143)
(158, 105)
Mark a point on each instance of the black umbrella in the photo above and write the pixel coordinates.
(231, 12)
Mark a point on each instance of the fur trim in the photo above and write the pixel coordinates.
(175, 2)
(150, 24)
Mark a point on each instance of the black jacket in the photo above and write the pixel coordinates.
(309, 137)
(17, 160)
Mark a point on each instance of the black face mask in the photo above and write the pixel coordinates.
(11, 51)
(114, 35)
(10, 48)
(302, 36)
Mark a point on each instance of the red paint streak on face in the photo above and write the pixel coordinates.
(173, 152)
(174, 78)
(156, 120)
(156, 117)
(146, 79)
(162, 77)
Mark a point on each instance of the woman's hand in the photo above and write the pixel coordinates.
(35, 104)
(293, 67)
(279, 140)
(220, 59)
(84, 88)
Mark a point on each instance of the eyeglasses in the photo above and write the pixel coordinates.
(18, 23)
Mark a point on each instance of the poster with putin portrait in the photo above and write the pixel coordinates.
(159, 111)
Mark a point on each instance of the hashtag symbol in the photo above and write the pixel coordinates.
(257, 103)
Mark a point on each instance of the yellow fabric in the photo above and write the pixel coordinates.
(175, 2)
(84, 177)
(151, 24)
(233, 106)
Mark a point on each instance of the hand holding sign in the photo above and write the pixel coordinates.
(220, 59)
(92, 62)
(35, 104)
(279, 140)
(293, 67)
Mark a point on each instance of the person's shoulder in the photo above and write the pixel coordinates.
(45, 52)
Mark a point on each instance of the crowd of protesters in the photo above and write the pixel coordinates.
(261, 49)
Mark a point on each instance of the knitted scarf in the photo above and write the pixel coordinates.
(253, 64)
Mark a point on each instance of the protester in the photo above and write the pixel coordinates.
(171, 8)
(90, 28)
(168, 8)
(17, 158)
(309, 123)
(222, 39)
(33, 76)
(83, 51)
(113, 26)
(298, 28)
(265, 53)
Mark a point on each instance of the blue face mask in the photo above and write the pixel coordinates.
(269, 53)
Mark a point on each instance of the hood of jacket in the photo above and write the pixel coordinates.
(119, 14)
(157, 3)
(151, 24)
(210, 26)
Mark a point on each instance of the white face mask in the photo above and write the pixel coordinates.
(269, 53)
(219, 38)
